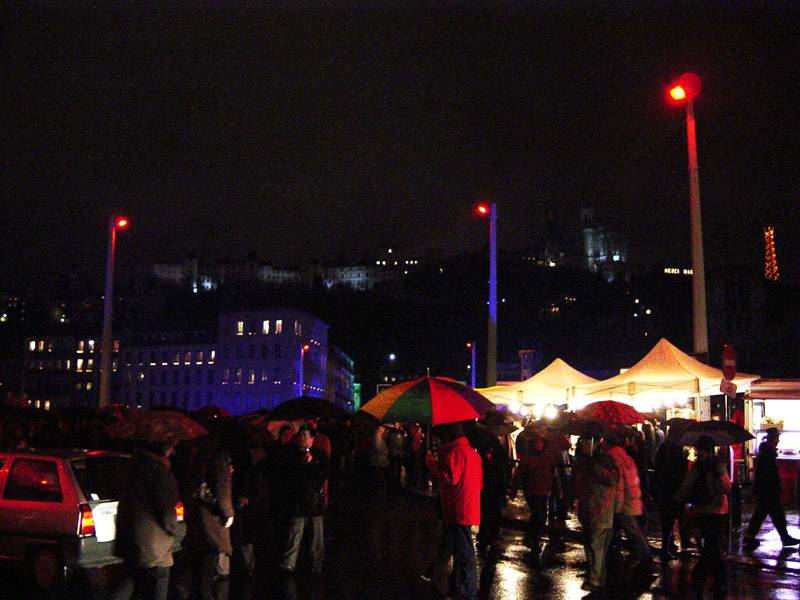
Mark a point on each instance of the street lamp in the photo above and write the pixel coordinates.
(303, 349)
(114, 223)
(490, 210)
(685, 90)
(471, 348)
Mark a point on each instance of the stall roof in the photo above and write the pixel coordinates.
(665, 369)
(551, 385)
(775, 389)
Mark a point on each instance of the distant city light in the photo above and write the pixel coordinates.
(392, 357)
(121, 223)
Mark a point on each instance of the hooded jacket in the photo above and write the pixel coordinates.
(460, 472)
(628, 491)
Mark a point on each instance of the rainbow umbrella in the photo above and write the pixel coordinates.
(428, 401)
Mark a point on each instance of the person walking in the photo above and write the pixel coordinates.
(706, 486)
(537, 476)
(671, 465)
(209, 516)
(147, 524)
(767, 489)
(596, 477)
(628, 505)
(460, 475)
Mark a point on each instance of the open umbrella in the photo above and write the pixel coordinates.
(677, 427)
(724, 433)
(610, 411)
(234, 434)
(155, 426)
(306, 407)
(428, 401)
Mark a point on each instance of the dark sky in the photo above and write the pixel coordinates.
(306, 133)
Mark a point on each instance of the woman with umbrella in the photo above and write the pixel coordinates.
(706, 487)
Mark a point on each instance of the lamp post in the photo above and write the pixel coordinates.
(303, 349)
(686, 89)
(471, 348)
(114, 223)
(490, 210)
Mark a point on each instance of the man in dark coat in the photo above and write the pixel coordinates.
(671, 465)
(147, 524)
(298, 475)
(767, 488)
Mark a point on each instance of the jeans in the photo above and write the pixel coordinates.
(711, 562)
(144, 584)
(767, 505)
(537, 505)
(667, 515)
(598, 541)
(294, 539)
(213, 576)
(640, 549)
(464, 577)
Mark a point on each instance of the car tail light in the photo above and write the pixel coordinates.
(179, 511)
(86, 521)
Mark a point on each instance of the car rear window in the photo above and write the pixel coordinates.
(101, 477)
(33, 480)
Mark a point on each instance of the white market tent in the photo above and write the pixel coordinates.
(665, 374)
(551, 385)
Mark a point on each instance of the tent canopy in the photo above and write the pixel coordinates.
(551, 385)
(663, 370)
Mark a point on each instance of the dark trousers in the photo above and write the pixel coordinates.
(768, 505)
(537, 505)
(144, 584)
(667, 515)
(710, 563)
(640, 549)
(464, 577)
(213, 576)
(491, 515)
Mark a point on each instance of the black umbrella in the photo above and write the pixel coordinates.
(724, 433)
(305, 407)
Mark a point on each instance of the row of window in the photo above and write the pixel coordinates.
(172, 398)
(175, 357)
(242, 328)
(170, 377)
(83, 346)
(250, 376)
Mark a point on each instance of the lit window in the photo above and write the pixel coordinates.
(176, 359)
(89, 364)
(32, 346)
(298, 328)
(79, 365)
(239, 327)
(278, 326)
(251, 376)
(200, 355)
(91, 345)
(40, 345)
(187, 358)
(88, 385)
(211, 356)
(238, 376)
(265, 327)
(69, 364)
(116, 345)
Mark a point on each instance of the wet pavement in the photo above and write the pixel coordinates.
(377, 550)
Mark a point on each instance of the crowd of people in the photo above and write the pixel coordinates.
(235, 497)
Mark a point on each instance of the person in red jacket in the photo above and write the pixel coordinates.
(460, 475)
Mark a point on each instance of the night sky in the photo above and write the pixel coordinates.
(314, 133)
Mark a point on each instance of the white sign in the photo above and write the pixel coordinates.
(727, 387)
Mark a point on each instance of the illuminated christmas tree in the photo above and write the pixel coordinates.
(770, 257)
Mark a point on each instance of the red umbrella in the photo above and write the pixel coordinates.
(155, 426)
(609, 411)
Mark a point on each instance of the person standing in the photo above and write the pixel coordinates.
(767, 489)
(706, 486)
(147, 524)
(537, 476)
(596, 477)
(460, 474)
(305, 471)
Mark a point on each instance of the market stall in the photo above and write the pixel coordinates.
(665, 378)
(776, 403)
(552, 386)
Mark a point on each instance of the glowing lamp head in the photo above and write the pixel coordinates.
(306, 347)
(687, 87)
(482, 209)
(678, 93)
(121, 223)
(469, 345)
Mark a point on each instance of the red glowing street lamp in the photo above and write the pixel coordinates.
(490, 210)
(685, 90)
(114, 223)
(303, 349)
(471, 348)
